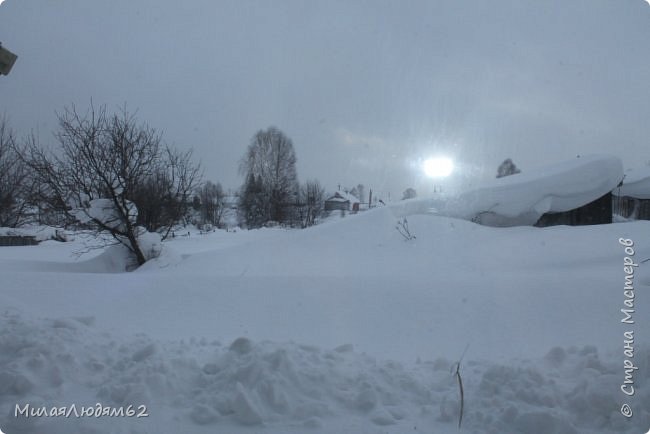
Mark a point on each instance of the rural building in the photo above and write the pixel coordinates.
(631, 200)
(572, 192)
(631, 208)
(597, 212)
(17, 240)
(342, 201)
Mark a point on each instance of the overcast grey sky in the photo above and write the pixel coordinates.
(365, 89)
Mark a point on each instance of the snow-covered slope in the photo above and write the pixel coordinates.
(201, 385)
(345, 327)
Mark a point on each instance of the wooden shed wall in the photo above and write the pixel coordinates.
(17, 240)
(594, 213)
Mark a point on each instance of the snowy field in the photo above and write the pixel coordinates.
(346, 327)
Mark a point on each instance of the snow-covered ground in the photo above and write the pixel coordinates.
(344, 327)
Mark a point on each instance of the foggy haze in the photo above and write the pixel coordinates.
(366, 90)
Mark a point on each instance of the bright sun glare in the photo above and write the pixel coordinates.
(438, 167)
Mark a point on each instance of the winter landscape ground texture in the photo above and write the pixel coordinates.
(344, 327)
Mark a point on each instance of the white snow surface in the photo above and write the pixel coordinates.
(342, 328)
(521, 199)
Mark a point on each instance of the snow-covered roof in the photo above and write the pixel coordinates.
(635, 184)
(521, 199)
(341, 196)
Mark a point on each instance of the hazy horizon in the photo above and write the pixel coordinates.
(366, 89)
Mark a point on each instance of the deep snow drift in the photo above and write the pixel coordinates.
(198, 385)
(345, 327)
(521, 199)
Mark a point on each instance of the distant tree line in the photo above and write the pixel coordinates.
(209, 201)
(109, 173)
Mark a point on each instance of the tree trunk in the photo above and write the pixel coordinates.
(135, 248)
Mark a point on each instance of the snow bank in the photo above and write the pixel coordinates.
(117, 258)
(521, 199)
(197, 383)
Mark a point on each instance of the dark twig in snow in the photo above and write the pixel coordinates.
(460, 386)
(403, 228)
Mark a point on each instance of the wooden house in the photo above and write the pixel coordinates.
(597, 212)
(17, 240)
(342, 201)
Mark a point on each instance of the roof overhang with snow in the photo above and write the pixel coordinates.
(636, 184)
(523, 198)
(340, 196)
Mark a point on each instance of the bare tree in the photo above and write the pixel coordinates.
(212, 207)
(150, 197)
(271, 159)
(14, 179)
(98, 172)
(253, 209)
(312, 200)
(163, 198)
(361, 190)
(183, 178)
